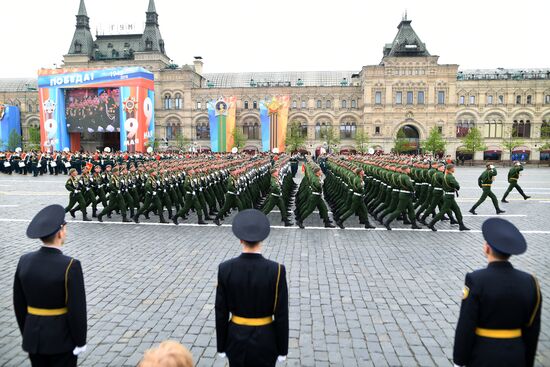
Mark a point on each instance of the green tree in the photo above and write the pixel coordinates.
(239, 139)
(34, 138)
(473, 141)
(181, 141)
(153, 142)
(294, 139)
(14, 140)
(435, 142)
(510, 143)
(545, 136)
(362, 141)
(400, 143)
(331, 137)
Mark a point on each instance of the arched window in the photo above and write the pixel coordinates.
(493, 127)
(518, 99)
(344, 103)
(353, 103)
(303, 104)
(321, 128)
(318, 103)
(463, 125)
(461, 100)
(328, 103)
(545, 128)
(77, 47)
(254, 105)
(178, 101)
(348, 129)
(29, 108)
(202, 130)
(529, 99)
(521, 128)
(167, 102)
(501, 99)
(246, 105)
(489, 99)
(294, 104)
(251, 129)
(172, 130)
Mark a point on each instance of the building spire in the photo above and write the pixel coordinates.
(82, 9)
(151, 39)
(151, 8)
(82, 42)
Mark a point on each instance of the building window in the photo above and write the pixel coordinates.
(294, 104)
(29, 108)
(377, 130)
(202, 131)
(547, 99)
(518, 99)
(440, 129)
(489, 99)
(148, 45)
(521, 129)
(254, 105)
(529, 99)
(318, 103)
(463, 126)
(353, 103)
(399, 98)
(321, 129)
(493, 127)
(441, 97)
(347, 130)
(77, 47)
(461, 100)
(378, 98)
(199, 105)
(246, 105)
(171, 132)
(178, 101)
(420, 98)
(545, 128)
(303, 104)
(328, 103)
(167, 102)
(409, 97)
(344, 103)
(251, 130)
(472, 100)
(501, 99)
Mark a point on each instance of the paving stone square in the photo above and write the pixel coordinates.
(357, 297)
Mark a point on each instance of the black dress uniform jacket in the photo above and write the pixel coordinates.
(498, 297)
(251, 286)
(47, 279)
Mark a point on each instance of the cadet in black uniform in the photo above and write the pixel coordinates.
(252, 299)
(48, 295)
(499, 321)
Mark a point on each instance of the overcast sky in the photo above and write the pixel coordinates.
(288, 35)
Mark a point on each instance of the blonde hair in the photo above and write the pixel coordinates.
(168, 354)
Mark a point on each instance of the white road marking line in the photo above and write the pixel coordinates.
(8, 206)
(277, 227)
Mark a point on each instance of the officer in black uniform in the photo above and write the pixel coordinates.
(48, 295)
(252, 299)
(499, 321)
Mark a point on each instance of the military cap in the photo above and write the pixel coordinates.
(47, 222)
(151, 170)
(251, 225)
(503, 236)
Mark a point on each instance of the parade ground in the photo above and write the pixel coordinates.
(356, 297)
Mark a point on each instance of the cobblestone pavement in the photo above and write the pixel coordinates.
(357, 297)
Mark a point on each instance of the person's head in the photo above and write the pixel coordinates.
(73, 172)
(97, 169)
(49, 226)
(450, 168)
(489, 166)
(168, 354)
(251, 227)
(115, 171)
(441, 168)
(108, 168)
(317, 171)
(502, 239)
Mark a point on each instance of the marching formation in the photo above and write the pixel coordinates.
(414, 190)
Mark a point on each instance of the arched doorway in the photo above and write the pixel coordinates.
(407, 140)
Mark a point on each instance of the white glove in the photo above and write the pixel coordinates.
(281, 358)
(221, 355)
(78, 350)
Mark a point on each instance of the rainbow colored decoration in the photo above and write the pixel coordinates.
(274, 120)
(221, 114)
(137, 121)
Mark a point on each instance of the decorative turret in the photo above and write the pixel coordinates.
(151, 39)
(406, 42)
(83, 41)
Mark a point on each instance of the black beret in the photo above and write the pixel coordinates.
(47, 222)
(503, 236)
(251, 225)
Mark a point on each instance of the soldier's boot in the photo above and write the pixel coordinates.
(201, 221)
(463, 227)
(125, 219)
(453, 220)
(288, 223)
(340, 224)
(526, 197)
(473, 211)
(136, 218)
(169, 213)
(146, 215)
(175, 219)
(85, 217)
(506, 201)
(100, 217)
(500, 211)
(387, 225)
(406, 220)
(368, 225)
(328, 224)
(431, 226)
(161, 218)
(94, 212)
(217, 221)
(415, 226)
